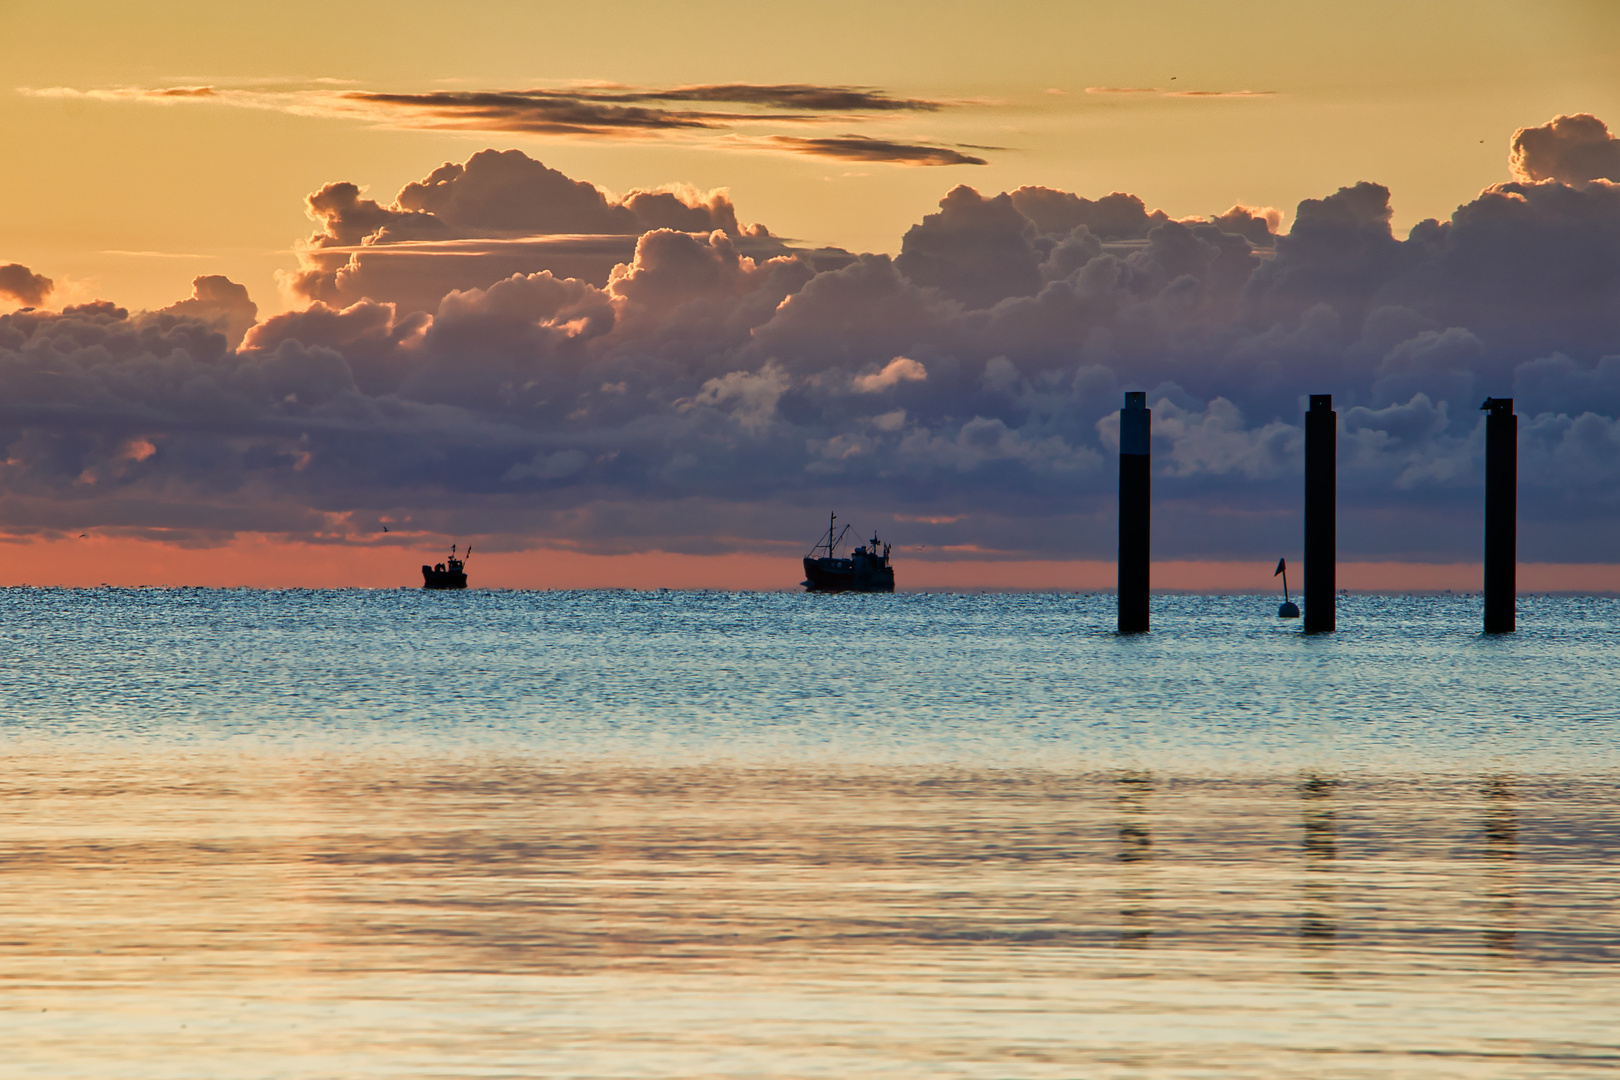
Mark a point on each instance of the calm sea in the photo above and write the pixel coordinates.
(691, 835)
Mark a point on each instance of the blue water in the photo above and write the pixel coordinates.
(604, 835)
(1407, 683)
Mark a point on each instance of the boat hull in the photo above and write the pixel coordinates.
(443, 579)
(846, 575)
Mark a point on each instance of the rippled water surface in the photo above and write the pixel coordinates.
(397, 834)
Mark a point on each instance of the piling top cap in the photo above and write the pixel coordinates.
(1321, 403)
(1498, 406)
(1136, 399)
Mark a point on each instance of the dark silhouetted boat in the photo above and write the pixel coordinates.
(866, 570)
(450, 574)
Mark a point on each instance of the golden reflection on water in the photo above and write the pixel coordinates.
(226, 917)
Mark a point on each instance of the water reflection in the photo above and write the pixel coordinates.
(1501, 832)
(1319, 843)
(1134, 853)
(409, 918)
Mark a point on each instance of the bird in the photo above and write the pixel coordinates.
(84, 536)
(385, 528)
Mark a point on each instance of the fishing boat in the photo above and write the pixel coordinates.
(866, 569)
(450, 574)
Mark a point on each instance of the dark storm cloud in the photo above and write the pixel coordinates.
(714, 383)
(23, 285)
(861, 148)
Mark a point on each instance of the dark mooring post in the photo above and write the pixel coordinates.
(1501, 513)
(1135, 487)
(1321, 495)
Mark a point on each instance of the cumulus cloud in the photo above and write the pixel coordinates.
(701, 379)
(23, 285)
(1216, 441)
(468, 225)
(900, 369)
(1258, 224)
(218, 301)
(975, 250)
(751, 396)
(1568, 149)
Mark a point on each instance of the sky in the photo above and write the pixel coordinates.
(637, 293)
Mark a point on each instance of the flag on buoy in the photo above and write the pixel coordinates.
(1288, 609)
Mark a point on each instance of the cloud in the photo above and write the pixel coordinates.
(1118, 216)
(1159, 91)
(900, 369)
(221, 303)
(468, 225)
(1258, 224)
(802, 96)
(606, 111)
(862, 148)
(705, 385)
(1216, 441)
(23, 285)
(616, 111)
(1569, 149)
(1219, 93)
(594, 112)
(975, 250)
(188, 255)
(752, 396)
(530, 113)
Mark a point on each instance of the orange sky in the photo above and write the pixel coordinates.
(257, 562)
(131, 201)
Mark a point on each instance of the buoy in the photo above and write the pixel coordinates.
(1287, 609)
